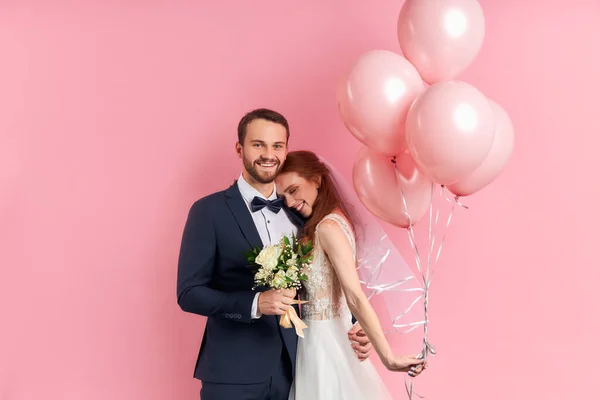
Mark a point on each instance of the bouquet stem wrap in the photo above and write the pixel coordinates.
(290, 318)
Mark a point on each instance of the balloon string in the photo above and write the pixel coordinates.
(430, 232)
(426, 275)
(425, 282)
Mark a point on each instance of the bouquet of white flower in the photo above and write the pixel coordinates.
(283, 266)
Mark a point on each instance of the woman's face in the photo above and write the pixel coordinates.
(299, 193)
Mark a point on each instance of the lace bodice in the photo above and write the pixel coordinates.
(323, 290)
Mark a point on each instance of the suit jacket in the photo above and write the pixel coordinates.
(214, 280)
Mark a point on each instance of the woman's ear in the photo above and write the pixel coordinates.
(319, 181)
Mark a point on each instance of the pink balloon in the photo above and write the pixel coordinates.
(496, 159)
(449, 131)
(374, 99)
(379, 187)
(441, 38)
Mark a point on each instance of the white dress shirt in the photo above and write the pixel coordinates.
(271, 226)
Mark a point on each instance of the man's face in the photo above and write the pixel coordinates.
(264, 150)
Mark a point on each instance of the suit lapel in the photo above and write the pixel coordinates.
(240, 211)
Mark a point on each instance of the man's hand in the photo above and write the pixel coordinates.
(275, 302)
(360, 342)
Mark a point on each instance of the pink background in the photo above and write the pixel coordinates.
(116, 116)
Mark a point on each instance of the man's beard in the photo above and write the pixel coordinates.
(251, 167)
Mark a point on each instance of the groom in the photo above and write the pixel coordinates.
(245, 354)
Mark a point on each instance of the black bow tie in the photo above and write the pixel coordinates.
(259, 203)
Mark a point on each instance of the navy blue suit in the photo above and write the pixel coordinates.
(240, 357)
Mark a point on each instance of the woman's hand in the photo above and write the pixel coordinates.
(413, 365)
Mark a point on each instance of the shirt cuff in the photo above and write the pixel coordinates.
(255, 314)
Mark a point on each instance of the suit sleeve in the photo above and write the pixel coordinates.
(195, 270)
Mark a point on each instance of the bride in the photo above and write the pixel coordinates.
(326, 368)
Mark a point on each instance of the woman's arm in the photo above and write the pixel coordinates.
(335, 243)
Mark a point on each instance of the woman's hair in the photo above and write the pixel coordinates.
(308, 165)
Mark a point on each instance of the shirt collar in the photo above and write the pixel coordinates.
(248, 192)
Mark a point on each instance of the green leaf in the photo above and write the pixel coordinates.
(252, 252)
(286, 240)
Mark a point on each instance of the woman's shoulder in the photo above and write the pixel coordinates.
(334, 218)
(335, 222)
(334, 231)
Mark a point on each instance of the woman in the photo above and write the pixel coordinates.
(326, 368)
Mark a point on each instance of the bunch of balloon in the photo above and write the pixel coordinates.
(424, 131)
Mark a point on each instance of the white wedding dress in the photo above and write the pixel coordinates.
(326, 365)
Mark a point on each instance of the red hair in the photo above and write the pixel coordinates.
(308, 165)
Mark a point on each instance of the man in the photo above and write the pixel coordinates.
(245, 354)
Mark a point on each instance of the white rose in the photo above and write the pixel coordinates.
(262, 274)
(292, 273)
(292, 261)
(279, 280)
(268, 257)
